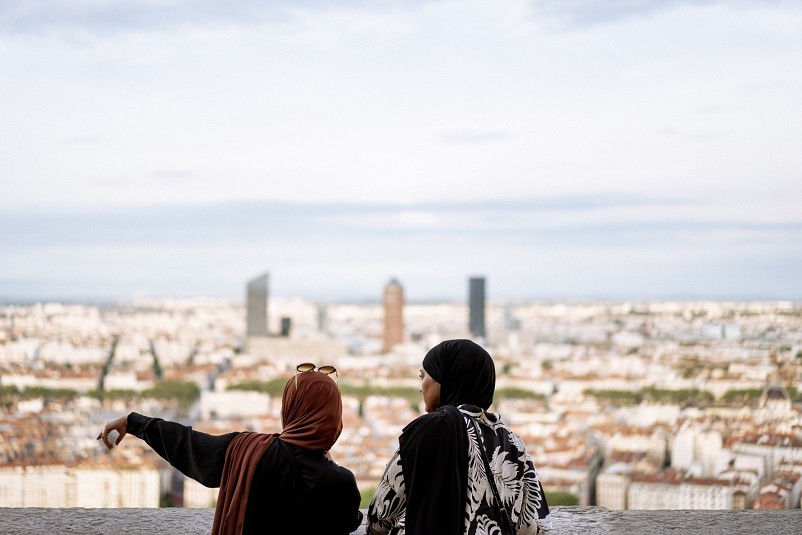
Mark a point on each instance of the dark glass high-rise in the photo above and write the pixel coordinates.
(476, 306)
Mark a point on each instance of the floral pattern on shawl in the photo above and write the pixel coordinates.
(513, 472)
(389, 503)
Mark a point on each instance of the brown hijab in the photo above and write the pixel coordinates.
(311, 415)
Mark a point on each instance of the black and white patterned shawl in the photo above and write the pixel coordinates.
(512, 469)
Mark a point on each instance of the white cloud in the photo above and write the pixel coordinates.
(150, 102)
(366, 103)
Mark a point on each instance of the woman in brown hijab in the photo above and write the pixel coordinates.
(269, 483)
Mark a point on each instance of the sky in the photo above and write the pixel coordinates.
(563, 149)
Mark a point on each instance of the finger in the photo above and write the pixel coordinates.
(105, 436)
(119, 438)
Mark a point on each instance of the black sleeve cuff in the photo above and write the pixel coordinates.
(137, 423)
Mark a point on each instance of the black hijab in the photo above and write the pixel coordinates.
(465, 371)
(434, 447)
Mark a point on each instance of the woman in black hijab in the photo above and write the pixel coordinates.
(436, 483)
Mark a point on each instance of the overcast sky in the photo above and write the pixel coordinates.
(564, 149)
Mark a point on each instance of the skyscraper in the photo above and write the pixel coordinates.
(256, 306)
(286, 326)
(476, 305)
(393, 314)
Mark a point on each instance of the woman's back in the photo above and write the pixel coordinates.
(295, 490)
(269, 483)
(459, 470)
(513, 472)
(422, 471)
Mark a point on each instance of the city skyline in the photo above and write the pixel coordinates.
(629, 406)
(635, 150)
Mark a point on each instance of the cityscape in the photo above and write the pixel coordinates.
(623, 405)
(196, 198)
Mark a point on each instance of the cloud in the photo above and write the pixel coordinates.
(579, 220)
(108, 17)
(519, 140)
(80, 140)
(435, 111)
(595, 246)
(671, 131)
(586, 13)
(474, 136)
(174, 175)
(98, 16)
(189, 257)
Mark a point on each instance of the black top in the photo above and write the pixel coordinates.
(294, 490)
(433, 451)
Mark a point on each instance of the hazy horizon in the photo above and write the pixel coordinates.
(377, 300)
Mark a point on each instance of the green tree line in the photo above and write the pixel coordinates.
(561, 498)
(702, 398)
(185, 393)
(654, 395)
(275, 387)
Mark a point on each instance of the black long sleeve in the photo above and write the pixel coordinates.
(197, 455)
(317, 496)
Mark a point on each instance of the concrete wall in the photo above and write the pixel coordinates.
(566, 520)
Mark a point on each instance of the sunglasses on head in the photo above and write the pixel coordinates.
(309, 367)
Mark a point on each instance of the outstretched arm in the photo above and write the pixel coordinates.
(197, 455)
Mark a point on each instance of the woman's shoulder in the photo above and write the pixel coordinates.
(333, 475)
(340, 472)
(441, 416)
(318, 459)
(437, 425)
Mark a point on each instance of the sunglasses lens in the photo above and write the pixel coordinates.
(305, 367)
(328, 370)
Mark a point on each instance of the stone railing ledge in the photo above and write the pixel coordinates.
(565, 520)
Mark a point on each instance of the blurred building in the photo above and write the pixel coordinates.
(393, 314)
(85, 485)
(476, 304)
(322, 318)
(612, 486)
(286, 326)
(256, 306)
(197, 496)
(654, 491)
(235, 404)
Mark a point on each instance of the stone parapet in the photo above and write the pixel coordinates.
(594, 520)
